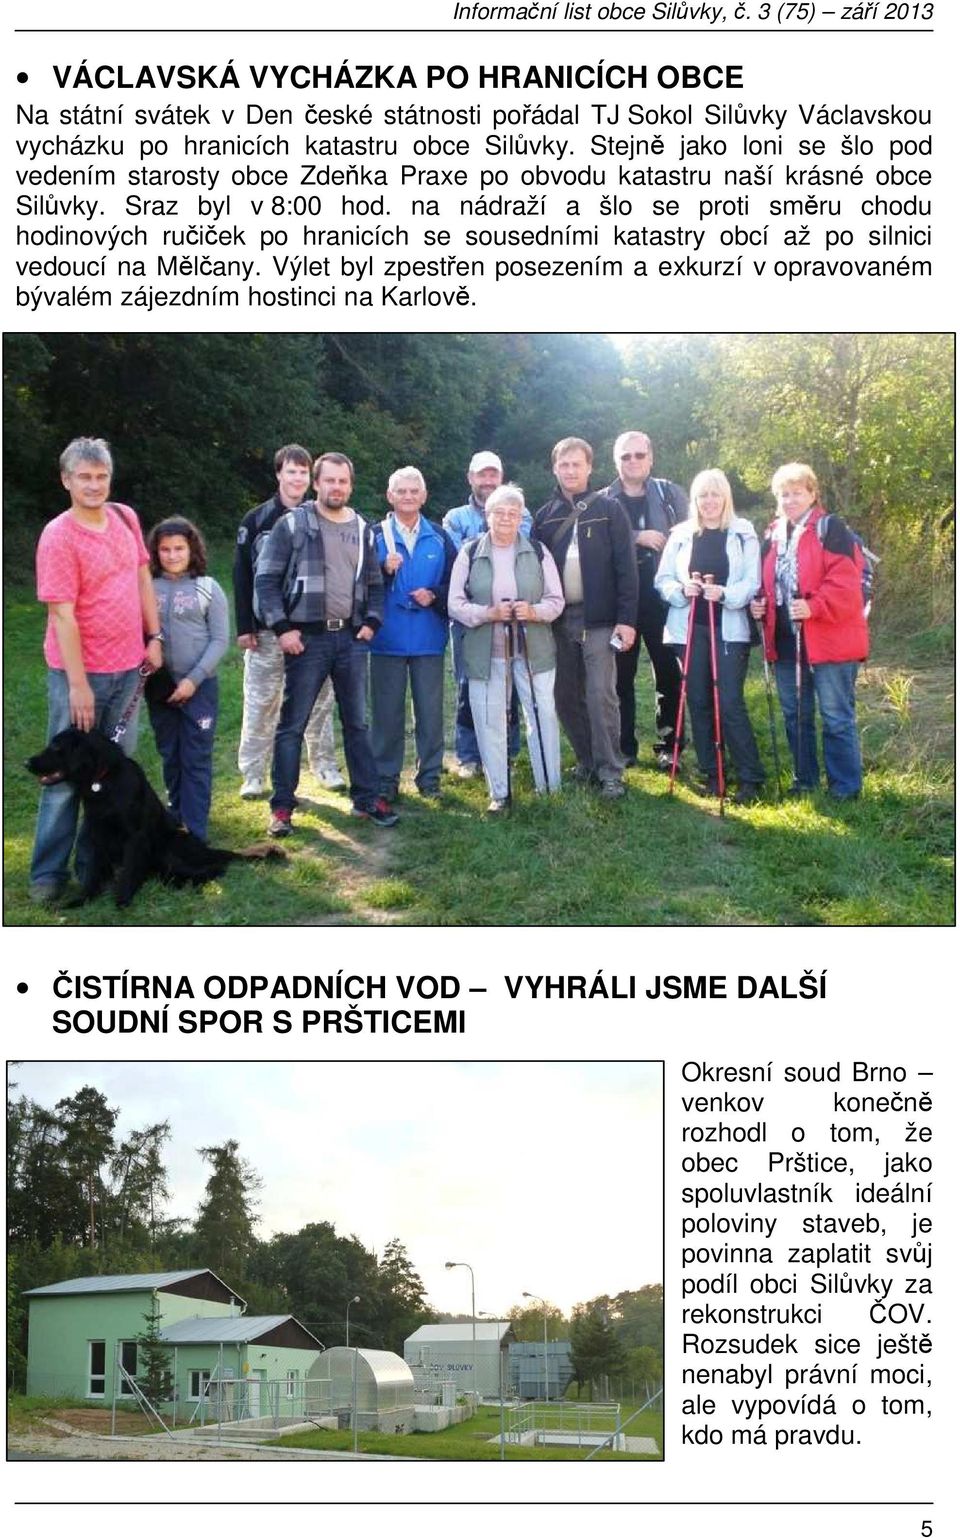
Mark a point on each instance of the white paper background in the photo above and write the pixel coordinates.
(890, 992)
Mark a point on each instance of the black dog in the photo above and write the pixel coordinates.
(132, 834)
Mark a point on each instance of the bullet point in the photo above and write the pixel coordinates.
(21, 987)
(23, 77)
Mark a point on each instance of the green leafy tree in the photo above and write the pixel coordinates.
(636, 1316)
(872, 414)
(187, 413)
(29, 443)
(527, 1322)
(671, 378)
(16, 1328)
(317, 1271)
(644, 1367)
(595, 1352)
(562, 385)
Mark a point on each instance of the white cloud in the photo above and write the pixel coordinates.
(544, 1176)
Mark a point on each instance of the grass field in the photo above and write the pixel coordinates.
(472, 1439)
(649, 859)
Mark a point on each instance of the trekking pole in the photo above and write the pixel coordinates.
(508, 697)
(798, 683)
(717, 728)
(694, 577)
(768, 684)
(522, 641)
(768, 690)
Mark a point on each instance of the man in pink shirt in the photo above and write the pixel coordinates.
(93, 574)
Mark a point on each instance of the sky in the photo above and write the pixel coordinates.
(544, 1177)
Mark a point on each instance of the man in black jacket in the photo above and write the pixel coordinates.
(589, 536)
(319, 588)
(653, 506)
(263, 659)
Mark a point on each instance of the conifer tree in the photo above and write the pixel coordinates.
(153, 1358)
(224, 1230)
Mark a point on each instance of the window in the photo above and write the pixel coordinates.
(97, 1376)
(292, 1381)
(199, 1378)
(128, 1361)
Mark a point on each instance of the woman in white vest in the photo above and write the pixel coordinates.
(506, 592)
(708, 573)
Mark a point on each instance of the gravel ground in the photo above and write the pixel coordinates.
(62, 1441)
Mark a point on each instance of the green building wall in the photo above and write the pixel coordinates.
(242, 1362)
(62, 1327)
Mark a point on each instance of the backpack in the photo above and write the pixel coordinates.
(665, 488)
(865, 559)
(204, 587)
(255, 537)
(298, 538)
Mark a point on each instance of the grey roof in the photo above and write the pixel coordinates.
(136, 1283)
(213, 1331)
(436, 1333)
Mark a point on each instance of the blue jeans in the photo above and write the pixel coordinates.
(739, 742)
(184, 736)
(833, 686)
(336, 655)
(59, 804)
(465, 744)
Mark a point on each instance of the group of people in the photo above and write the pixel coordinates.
(545, 614)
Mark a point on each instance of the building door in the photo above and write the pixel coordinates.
(253, 1398)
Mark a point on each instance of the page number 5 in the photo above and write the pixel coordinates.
(926, 1528)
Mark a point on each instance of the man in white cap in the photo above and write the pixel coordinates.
(485, 473)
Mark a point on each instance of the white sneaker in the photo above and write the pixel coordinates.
(467, 771)
(332, 779)
(251, 788)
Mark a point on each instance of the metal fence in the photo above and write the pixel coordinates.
(266, 1406)
(231, 1407)
(564, 1424)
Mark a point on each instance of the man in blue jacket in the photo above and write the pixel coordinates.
(416, 558)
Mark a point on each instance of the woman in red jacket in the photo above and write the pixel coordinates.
(814, 630)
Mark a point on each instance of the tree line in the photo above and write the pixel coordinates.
(195, 419)
(84, 1199)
